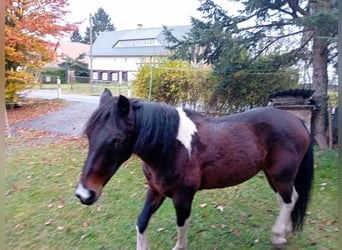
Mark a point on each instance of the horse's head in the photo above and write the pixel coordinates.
(110, 132)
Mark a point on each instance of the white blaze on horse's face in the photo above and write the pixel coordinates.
(186, 130)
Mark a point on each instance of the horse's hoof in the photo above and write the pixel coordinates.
(279, 242)
(179, 248)
(278, 246)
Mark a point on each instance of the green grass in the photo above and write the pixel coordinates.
(42, 212)
(88, 89)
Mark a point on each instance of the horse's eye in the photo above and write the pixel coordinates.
(116, 141)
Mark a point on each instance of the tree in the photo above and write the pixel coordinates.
(27, 25)
(76, 37)
(80, 68)
(307, 26)
(100, 22)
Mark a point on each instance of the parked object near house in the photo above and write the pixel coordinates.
(296, 101)
(117, 55)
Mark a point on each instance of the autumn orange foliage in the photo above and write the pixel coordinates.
(29, 25)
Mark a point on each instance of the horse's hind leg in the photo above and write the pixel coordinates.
(283, 226)
(282, 181)
(152, 203)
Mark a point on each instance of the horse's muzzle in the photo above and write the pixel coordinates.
(86, 196)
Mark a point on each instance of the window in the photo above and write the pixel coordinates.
(135, 42)
(104, 76)
(115, 77)
(95, 76)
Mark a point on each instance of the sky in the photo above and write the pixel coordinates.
(127, 14)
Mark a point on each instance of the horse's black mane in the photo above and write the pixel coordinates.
(157, 127)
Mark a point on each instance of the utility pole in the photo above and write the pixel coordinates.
(151, 83)
(91, 49)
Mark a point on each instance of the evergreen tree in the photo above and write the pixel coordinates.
(100, 22)
(289, 31)
(76, 37)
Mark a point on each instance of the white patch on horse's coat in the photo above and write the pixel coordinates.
(141, 240)
(182, 240)
(186, 130)
(82, 192)
(283, 226)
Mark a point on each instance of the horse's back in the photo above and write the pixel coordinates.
(269, 120)
(238, 146)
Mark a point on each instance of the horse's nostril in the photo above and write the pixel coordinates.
(86, 196)
(78, 196)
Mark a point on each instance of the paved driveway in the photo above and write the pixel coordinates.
(67, 121)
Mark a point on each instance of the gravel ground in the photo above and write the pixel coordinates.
(67, 121)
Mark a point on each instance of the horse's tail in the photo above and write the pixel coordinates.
(303, 184)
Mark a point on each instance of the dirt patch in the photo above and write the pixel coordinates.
(22, 135)
(31, 108)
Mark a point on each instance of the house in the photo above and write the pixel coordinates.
(116, 55)
(65, 49)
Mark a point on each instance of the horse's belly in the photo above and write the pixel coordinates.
(219, 177)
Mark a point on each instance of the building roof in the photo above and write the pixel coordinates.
(65, 49)
(136, 42)
(71, 49)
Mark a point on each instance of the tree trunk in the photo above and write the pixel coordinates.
(320, 76)
(320, 85)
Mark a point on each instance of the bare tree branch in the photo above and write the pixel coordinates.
(293, 5)
(277, 39)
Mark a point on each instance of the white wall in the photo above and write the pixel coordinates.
(116, 63)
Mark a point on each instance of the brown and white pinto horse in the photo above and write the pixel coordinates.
(184, 152)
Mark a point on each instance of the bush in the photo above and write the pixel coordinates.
(173, 82)
(17, 81)
(54, 73)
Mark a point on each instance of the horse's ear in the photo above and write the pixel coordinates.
(123, 105)
(106, 93)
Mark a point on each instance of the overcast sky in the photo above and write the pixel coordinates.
(126, 14)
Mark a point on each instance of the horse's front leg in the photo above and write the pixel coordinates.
(152, 203)
(182, 203)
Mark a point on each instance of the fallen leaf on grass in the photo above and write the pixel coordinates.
(235, 232)
(18, 226)
(203, 205)
(60, 228)
(243, 218)
(48, 222)
(219, 207)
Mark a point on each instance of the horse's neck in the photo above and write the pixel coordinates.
(156, 127)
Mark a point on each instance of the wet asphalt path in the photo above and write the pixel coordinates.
(67, 121)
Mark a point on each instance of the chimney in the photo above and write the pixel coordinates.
(140, 26)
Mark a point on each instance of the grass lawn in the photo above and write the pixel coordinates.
(88, 89)
(42, 212)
